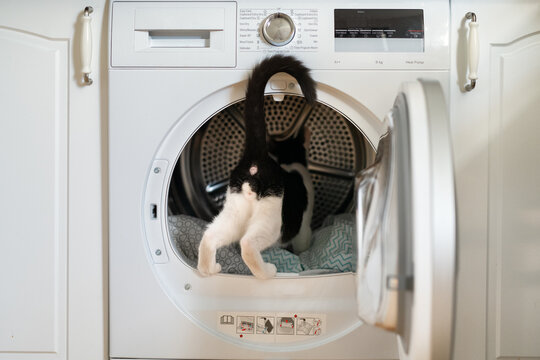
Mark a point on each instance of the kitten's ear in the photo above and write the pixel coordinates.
(307, 137)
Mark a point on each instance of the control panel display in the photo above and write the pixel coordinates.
(379, 30)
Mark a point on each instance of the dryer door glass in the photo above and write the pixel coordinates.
(407, 227)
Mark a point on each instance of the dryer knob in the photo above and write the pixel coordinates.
(278, 29)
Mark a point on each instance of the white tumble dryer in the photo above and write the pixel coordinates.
(379, 152)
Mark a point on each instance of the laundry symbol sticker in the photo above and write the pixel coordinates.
(309, 326)
(226, 320)
(265, 325)
(245, 325)
(285, 326)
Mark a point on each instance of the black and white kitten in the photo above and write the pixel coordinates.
(267, 199)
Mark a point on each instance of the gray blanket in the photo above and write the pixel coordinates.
(331, 249)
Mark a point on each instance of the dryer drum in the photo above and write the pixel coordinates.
(337, 151)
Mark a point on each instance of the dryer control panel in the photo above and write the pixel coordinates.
(238, 34)
(340, 35)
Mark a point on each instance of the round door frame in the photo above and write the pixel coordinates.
(189, 290)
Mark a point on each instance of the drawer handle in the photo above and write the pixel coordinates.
(474, 50)
(86, 45)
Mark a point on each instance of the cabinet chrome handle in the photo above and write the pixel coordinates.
(86, 45)
(474, 50)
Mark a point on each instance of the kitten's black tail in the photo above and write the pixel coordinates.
(256, 147)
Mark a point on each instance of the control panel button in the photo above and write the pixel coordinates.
(278, 29)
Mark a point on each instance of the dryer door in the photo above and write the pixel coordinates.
(407, 227)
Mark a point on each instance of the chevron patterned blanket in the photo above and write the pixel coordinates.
(331, 250)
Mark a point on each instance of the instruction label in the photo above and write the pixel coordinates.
(305, 39)
(271, 327)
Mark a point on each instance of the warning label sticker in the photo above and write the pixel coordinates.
(245, 325)
(286, 325)
(308, 326)
(266, 325)
(271, 327)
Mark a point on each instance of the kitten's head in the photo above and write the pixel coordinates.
(293, 149)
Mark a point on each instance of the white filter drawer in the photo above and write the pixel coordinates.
(173, 34)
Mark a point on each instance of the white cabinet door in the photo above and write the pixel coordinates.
(496, 128)
(407, 227)
(51, 232)
(33, 216)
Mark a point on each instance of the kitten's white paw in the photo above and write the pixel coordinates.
(268, 271)
(207, 258)
(207, 268)
(215, 268)
(203, 268)
(271, 270)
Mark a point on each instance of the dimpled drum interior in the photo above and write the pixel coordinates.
(337, 152)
